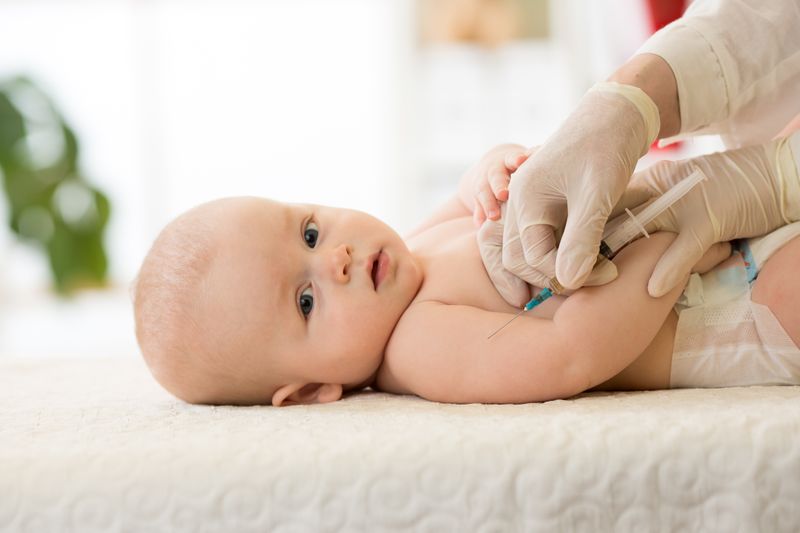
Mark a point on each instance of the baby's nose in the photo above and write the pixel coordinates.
(338, 263)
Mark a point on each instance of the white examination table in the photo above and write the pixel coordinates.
(96, 445)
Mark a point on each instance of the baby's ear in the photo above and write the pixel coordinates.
(306, 393)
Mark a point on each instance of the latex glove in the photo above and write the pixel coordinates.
(583, 168)
(749, 192)
(515, 290)
(485, 184)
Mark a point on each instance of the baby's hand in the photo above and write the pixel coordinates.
(485, 185)
(715, 255)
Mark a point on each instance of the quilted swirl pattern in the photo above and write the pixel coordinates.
(96, 445)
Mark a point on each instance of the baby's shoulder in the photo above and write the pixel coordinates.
(441, 233)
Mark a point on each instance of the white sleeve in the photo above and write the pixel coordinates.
(737, 64)
(789, 168)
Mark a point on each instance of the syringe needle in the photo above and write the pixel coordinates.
(544, 294)
(507, 323)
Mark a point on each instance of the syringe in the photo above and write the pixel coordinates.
(618, 235)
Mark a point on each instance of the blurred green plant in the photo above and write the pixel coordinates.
(51, 204)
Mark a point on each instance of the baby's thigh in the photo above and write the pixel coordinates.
(778, 287)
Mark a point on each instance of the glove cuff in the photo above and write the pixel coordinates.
(788, 166)
(643, 103)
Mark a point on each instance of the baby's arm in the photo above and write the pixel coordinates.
(596, 333)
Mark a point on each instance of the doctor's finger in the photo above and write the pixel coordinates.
(539, 247)
(513, 289)
(580, 243)
(490, 242)
(676, 263)
(513, 262)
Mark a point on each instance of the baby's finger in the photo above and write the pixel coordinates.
(488, 202)
(478, 216)
(715, 255)
(513, 160)
(498, 181)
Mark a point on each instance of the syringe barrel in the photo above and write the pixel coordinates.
(621, 236)
(635, 224)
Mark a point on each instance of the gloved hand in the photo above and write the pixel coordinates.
(584, 169)
(515, 290)
(748, 192)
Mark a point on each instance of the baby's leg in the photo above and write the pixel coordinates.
(778, 287)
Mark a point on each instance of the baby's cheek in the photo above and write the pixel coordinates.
(365, 319)
(358, 315)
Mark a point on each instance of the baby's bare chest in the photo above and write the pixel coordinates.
(453, 268)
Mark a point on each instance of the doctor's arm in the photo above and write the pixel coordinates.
(736, 65)
(727, 66)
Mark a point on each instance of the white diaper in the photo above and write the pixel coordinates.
(723, 338)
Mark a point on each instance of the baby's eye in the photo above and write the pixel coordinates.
(310, 234)
(306, 301)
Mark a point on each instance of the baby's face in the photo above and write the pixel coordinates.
(307, 292)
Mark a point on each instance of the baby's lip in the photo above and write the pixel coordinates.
(371, 267)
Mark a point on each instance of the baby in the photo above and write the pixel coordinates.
(252, 301)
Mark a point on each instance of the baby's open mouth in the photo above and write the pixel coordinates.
(375, 265)
(378, 267)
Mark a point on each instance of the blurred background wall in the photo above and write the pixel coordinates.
(378, 105)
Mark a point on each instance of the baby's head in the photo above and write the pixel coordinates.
(251, 301)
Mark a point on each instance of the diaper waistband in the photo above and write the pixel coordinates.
(732, 278)
(762, 248)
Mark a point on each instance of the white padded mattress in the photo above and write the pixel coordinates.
(95, 445)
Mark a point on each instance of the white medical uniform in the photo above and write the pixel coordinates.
(737, 65)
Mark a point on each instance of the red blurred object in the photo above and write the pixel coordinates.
(660, 13)
(669, 148)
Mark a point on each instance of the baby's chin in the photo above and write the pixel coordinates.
(366, 378)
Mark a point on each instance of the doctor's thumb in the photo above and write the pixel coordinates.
(490, 243)
(604, 272)
(513, 289)
(577, 254)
